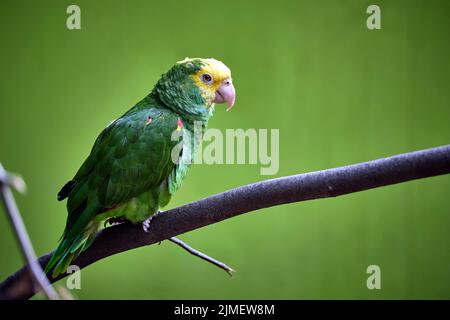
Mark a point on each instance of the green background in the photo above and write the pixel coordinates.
(338, 92)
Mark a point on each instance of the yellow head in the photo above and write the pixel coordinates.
(213, 78)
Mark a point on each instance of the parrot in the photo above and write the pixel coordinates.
(131, 173)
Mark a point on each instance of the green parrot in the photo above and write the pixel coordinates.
(131, 171)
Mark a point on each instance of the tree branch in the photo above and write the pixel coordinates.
(37, 275)
(203, 256)
(268, 193)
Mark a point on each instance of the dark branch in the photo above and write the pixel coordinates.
(302, 187)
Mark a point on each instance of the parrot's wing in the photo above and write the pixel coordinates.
(86, 167)
(132, 155)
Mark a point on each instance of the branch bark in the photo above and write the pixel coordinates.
(37, 275)
(268, 193)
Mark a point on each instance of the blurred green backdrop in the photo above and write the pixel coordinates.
(338, 92)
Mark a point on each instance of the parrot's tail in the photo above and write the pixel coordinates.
(69, 249)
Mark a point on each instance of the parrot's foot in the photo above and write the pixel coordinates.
(146, 223)
(115, 220)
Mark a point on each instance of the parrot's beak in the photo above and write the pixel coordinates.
(226, 94)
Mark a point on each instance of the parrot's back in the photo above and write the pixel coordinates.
(126, 174)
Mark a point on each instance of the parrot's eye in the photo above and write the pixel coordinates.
(207, 78)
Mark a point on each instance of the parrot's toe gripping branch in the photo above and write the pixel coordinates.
(114, 221)
(146, 224)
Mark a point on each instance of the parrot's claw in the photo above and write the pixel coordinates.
(146, 224)
(114, 220)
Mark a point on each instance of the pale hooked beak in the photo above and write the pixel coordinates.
(226, 93)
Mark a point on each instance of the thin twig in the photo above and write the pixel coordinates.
(185, 246)
(203, 256)
(302, 187)
(12, 211)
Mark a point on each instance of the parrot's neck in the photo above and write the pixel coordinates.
(188, 103)
(190, 114)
